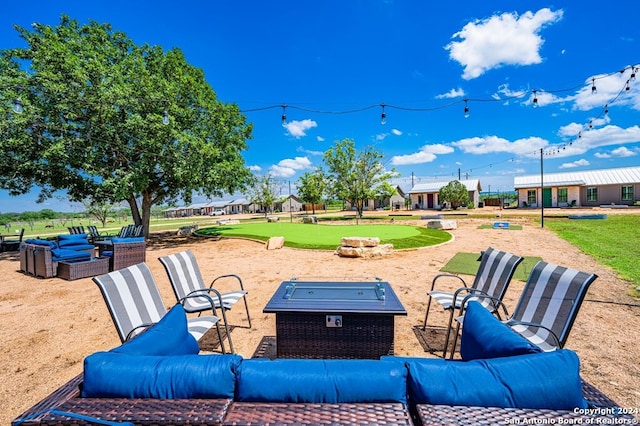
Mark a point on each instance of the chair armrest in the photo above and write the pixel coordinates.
(511, 323)
(433, 283)
(130, 334)
(228, 276)
(204, 292)
(476, 293)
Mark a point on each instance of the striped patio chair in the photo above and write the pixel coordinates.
(549, 304)
(489, 287)
(134, 302)
(186, 280)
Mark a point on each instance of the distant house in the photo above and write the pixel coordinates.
(290, 203)
(395, 202)
(239, 205)
(425, 195)
(619, 186)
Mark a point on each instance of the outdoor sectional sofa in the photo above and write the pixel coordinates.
(159, 378)
(41, 257)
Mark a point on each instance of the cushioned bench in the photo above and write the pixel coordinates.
(159, 378)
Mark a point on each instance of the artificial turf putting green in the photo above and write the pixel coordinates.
(467, 264)
(327, 237)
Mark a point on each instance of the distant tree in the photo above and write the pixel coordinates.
(108, 119)
(386, 191)
(263, 192)
(355, 175)
(98, 209)
(455, 193)
(313, 187)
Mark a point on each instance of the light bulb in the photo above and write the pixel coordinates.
(383, 118)
(165, 118)
(18, 108)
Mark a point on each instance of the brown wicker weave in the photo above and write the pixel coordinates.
(302, 335)
(124, 254)
(37, 260)
(224, 411)
(73, 270)
(253, 413)
(138, 411)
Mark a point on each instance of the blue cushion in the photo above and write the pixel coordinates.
(543, 380)
(127, 240)
(484, 336)
(169, 336)
(38, 242)
(74, 243)
(66, 237)
(321, 381)
(116, 375)
(58, 254)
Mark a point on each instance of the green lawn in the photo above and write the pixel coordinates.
(612, 241)
(468, 263)
(327, 237)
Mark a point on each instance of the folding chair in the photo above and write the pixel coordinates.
(134, 302)
(548, 305)
(489, 285)
(186, 280)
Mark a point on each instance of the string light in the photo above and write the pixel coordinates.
(535, 99)
(284, 115)
(165, 117)
(466, 109)
(383, 116)
(593, 86)
(18, 108)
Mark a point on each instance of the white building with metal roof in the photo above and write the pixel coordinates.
(425, 195)
(620, 186)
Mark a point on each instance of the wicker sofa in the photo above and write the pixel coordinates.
(153, 379)
(40, 257)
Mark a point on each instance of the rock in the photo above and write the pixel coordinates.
(274, 243)
(360, 241)
(442, 224)
(366, 252)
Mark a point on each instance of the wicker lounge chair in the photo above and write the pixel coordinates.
(186, 280)
(489, 285)
(548, 305)
(11, 242)
(134, 302)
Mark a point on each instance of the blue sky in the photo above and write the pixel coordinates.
(335, 63)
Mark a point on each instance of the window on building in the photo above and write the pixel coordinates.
(531, 196)
(627, 193)
(563, 195)
(592, 193)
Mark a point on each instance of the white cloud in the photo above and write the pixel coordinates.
(320, 139)
(605, 136)
(308, 151)
(617, 153)
(288, 167)
(396, 132)
(573, 164)
(298, 129)
(427, 154)
(493, 144)
(453, 93)
(506, 39)
(611, 86)
(381, 136)
(255, 168)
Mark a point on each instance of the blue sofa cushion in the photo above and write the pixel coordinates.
(38, 242)
(543, 380)
(321, 381)
(72, 238)
(484, 336)
(127, 240)
(58, 254)
(117, 375)
(169, 336)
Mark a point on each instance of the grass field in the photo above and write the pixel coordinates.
(327, 237)
(612, 241)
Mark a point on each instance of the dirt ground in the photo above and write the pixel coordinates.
(50, 325)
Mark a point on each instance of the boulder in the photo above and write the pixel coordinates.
(366, 252)
(274, 243)
(359, 241)
(442, 224)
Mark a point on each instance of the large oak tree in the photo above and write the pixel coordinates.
(96, 108)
